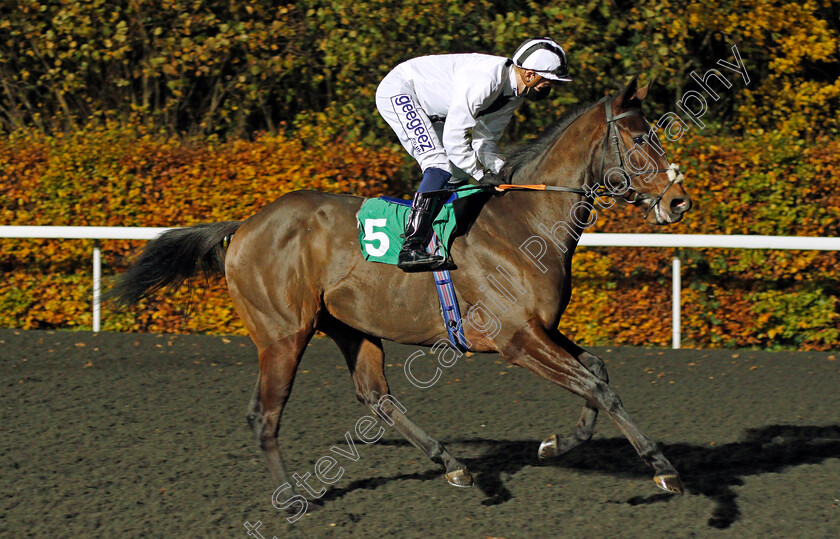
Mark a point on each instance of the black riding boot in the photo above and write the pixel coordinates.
(418, 231)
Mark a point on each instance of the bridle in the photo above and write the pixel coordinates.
(612, 131)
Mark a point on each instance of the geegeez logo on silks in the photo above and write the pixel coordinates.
(412, 122)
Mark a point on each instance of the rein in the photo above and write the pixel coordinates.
(673, 171)
(515, 187)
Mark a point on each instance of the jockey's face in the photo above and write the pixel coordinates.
(531, 85)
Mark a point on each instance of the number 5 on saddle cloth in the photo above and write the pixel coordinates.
(381, 222)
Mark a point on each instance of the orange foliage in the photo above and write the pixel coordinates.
(112, 176)
(767, 184)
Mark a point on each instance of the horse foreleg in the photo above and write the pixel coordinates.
(365, 359)
(535, 350)
(556, 445)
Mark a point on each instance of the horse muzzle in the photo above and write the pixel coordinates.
(664, 211)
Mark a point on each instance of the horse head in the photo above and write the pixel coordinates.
(633, 166)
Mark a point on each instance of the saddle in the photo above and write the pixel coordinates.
(381, 223)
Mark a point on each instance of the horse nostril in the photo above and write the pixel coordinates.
(680, 205)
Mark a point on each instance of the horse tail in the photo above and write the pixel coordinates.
(171, 259)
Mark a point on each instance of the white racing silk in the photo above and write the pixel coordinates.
(456, 88)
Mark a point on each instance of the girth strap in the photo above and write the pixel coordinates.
(448, 303)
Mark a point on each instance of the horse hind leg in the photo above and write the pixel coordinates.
(365, 359)
(278, 365)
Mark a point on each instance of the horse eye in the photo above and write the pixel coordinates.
(639, 139)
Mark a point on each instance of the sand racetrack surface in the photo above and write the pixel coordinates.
(136, 435)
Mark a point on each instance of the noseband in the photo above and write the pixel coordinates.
(612, 131)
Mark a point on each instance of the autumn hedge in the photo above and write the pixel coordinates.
(114, 176)
(767, 184)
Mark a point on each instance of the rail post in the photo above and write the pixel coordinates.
(97, 285)
(676, 294)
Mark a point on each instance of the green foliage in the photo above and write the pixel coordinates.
(234, 67)
(792, 319)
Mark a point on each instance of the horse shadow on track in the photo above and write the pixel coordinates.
(710, 471)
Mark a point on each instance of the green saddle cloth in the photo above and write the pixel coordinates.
(381, 224)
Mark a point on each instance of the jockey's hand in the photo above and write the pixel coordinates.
(491, 178)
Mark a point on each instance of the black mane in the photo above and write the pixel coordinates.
(526, 155)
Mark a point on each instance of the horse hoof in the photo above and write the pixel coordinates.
(460, 478)
(669, 482)
(312, 506)
(549, 448)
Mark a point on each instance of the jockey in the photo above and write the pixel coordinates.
(449, 111)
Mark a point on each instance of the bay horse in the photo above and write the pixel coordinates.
(295, 268)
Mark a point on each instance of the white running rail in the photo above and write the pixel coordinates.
(687, 241)
(86, 233)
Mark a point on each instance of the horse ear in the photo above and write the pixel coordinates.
(628, 96)
(642, 92)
